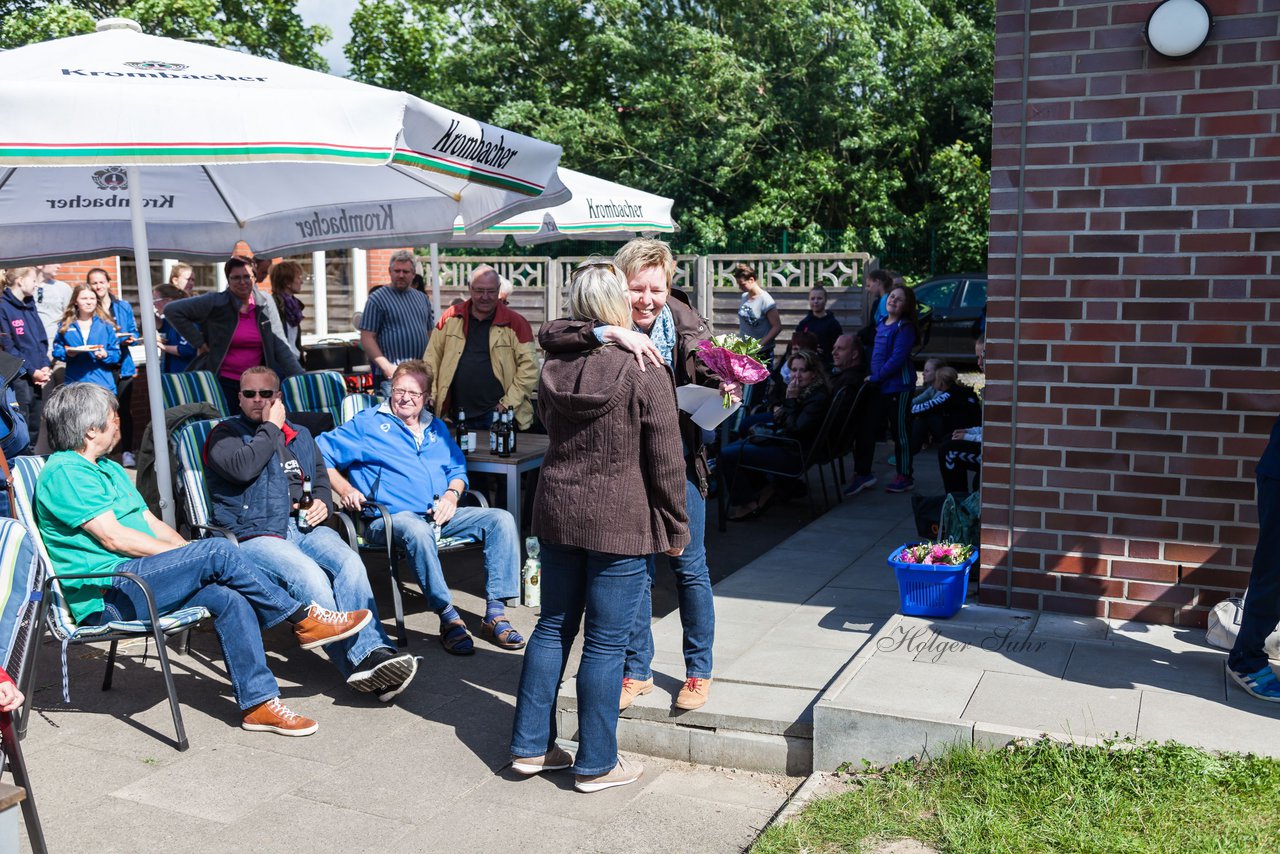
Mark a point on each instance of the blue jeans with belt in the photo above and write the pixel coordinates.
(320, 567)
(214, 575)
(607, 588)
(693, 592)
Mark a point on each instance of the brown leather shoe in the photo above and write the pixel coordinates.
(274, 716)
(322, 626)
(632, 688)
(694, 694)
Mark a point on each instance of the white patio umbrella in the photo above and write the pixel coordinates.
(598, 210)
(199, 147)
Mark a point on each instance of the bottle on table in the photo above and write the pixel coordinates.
(504, 435)
(511, 435)
(460, 430)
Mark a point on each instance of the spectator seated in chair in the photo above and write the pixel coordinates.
(953, 406)
(962, 452)
(776, 386)
(400, 456)
(260, 469)
(93, 521)
(798, 417)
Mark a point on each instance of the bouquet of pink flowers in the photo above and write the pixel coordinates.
(733, 359)
(935, 554)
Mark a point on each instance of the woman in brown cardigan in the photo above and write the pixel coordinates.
(611, 493)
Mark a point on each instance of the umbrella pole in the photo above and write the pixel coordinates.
(435, 277)
(142, 258)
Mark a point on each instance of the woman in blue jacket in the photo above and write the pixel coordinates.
(127, 334)
(887, 394)
(86, 341)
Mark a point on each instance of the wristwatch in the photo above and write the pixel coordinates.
(456, 493)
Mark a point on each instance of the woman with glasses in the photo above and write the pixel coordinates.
(233, 330)
(610, 494)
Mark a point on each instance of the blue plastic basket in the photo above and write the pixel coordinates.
(930, 591)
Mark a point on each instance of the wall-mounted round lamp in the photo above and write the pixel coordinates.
(1178, 28)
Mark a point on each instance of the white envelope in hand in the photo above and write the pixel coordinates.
(704, 405)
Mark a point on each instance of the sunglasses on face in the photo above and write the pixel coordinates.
(264, 393)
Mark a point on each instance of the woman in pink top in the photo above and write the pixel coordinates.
(234, 330)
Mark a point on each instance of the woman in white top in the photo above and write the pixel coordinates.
(758, 314)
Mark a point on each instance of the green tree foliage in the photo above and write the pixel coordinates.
(269, 28)
(866, 118)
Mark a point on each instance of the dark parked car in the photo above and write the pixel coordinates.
(959, 303)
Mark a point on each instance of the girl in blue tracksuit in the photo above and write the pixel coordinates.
(887, 394)
(86, 323)
(126, 334)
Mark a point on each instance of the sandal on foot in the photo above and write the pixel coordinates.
(455, 638)
(507, 638)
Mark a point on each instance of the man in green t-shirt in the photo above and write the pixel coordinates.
(94, 522)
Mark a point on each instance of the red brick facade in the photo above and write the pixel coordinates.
(1134, 313)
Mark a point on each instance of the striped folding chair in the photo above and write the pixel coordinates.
(315, 391)
(192, 488)
(21, 575)
(55, 615)
(193, 387)
(354, 403)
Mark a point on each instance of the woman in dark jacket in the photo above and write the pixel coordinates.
(233, 330)
(610, 493)
(798, 418)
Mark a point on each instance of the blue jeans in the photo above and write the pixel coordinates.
(415, 535)
(212, 574)
(745, 484)
(1262, 602)
(693, 592)
(320, 567)
(608, 588)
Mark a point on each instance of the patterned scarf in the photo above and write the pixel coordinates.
(663, 334)
(292, 309)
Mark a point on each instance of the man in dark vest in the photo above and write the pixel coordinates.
(269, 487)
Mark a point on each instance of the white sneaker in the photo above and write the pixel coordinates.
(623, 773)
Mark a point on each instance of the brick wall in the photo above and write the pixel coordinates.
(74, 272)
(378, 262)
(1145, 324)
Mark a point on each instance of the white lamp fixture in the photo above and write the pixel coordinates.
(1178, 28)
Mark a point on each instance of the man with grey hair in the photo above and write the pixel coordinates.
(94, 522)
(482, 358)
(396, 323)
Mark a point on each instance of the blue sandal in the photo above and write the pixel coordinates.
(455, 638)
(507, 638)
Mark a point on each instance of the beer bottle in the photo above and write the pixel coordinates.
(460, 430)
(303, 504)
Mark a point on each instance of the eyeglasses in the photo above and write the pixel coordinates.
(406, 394)
(239, 278)
(264, 393)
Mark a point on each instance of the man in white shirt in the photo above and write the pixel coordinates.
(52, 298)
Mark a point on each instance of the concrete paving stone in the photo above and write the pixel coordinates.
(113, 826)
(647, 738)
(1106, 665)
(303, 820)
(552, 794)
(834, 605)
(757, 611)
(735, 706)
(1002, 654)
(908, 687)
(844, 735)
(663, 824)
(866, 576)
(985, 617)
(788, 666)
(1054, 706)
(848, 636)
(732, 636)
(817, 543)
(467, 829)
(1173, 638)
(778, 584)
(752, 751)
(726, 786)
(210, 784)
(1069, 627)
(1252, 726)
(74, 789)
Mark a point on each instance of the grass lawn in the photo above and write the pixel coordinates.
(1046, 796)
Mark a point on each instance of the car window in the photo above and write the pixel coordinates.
(975, 294)
(937, 294)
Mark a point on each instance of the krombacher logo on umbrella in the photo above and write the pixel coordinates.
(384, 219)
(612, 209)
(474, 148)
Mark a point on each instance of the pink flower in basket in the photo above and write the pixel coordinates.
(935, 554)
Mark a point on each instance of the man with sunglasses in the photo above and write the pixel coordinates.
(262, 471)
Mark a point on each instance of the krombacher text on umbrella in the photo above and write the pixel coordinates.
(165, 201)
(384, 219)
(474, 148)
(601, 210)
